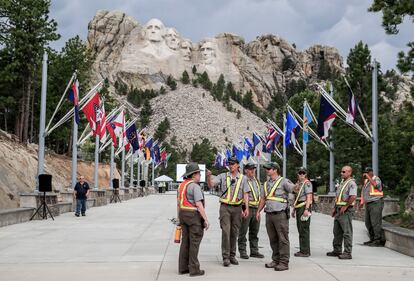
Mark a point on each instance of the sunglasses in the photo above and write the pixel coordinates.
(301, 173)
(343, 172)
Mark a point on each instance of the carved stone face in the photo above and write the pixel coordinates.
(154, 30)
(186, 48)
(208, 52)
(172, 38)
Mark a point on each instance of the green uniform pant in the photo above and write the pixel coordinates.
(373, 220)
(192, 234)
(342, 231)
(304, 231)
(277, 226)
(252, 225)
(230, 220)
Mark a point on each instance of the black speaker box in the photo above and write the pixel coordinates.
(45, 183)
(115, 183)
(142, 183)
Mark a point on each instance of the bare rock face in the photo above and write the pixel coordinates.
(143, 56)
(194, 115)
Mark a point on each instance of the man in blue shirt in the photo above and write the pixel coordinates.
(81, 193)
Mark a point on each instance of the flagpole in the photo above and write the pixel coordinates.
(304, 144)
(96, 179)
(375, 118)
(284, 145)
(331, 156)
(41, 147)
(111, 168)
(138, 171)
(123, 168)
(74, 151)
(153, 173)
(131, 172)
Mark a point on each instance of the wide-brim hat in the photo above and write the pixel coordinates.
(190, 169)
(368, 169)
(271, 165)
(250, 165)
(233, 159)
(303, 170)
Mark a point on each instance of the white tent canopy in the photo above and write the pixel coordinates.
(163, 178)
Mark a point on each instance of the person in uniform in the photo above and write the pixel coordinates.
(81, 193)
(233, 189)
(249, 223)
(372, 198)
(274, 200)
(302, 211)
(193, 220)
(343, 212)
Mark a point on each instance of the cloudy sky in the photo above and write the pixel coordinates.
(337, 23)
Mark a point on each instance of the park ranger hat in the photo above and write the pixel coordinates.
(272, 165)
(250, 165)
(368, 169)
(233, 159)
(190, 169)
(302, 170)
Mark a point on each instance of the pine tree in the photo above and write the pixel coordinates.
(185, 79)
(171, 83)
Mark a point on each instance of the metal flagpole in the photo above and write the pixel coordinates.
(331, 157)
(111, 168)
(74, 151)
(375, 118)
(123, 168)
(138, 170)
(95, 178)
(284, 145)
(131, 170)
(41, 149)
(304, 149)
(153, 173)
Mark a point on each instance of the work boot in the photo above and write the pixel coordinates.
(345, 256)
(77, 215)
(257, 255)
(183, 272)
(234, 261)
(198, 273)
(333, 254)
(302, 255)
(226, 262)
(281, 267)
(376, 243)
(367, 242)
(83, 214)
(271, 264)
(243, 255)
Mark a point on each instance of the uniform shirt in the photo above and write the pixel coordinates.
(284, 188)
(221, 182)
(194, 193)
(350, 190)
(81, 190)
(367, 187)
(307, 189)
(256, 188)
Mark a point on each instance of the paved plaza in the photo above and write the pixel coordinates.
(133, 240)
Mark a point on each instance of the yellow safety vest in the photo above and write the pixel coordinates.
(296, 205)
(271, 195)
(256, 197)
(372, 190)
(339, 201)
(232, 200)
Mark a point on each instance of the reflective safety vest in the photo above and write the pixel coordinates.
(339, 201)
(296, 205)
(372, 190)
(229, 199)
(271, 195)
(256, 197)
(182, 196)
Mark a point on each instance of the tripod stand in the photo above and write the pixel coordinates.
(43, 206)
(115, 196)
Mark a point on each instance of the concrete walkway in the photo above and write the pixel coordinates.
(134, 241)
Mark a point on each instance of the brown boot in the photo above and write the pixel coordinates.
(281, 267)
(234, 261)
(271, 264)
(345, 256)
(333, 254)
(302, 255)
(226, 262)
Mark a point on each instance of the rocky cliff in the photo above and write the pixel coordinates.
(143, 55)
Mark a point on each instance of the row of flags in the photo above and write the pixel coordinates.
(121, 135)
(269, 142)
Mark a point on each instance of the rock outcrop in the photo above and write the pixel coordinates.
(143, 56)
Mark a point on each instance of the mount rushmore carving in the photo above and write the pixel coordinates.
(143, 56)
